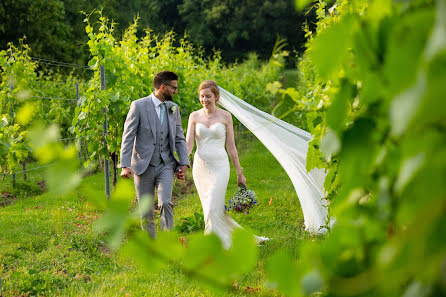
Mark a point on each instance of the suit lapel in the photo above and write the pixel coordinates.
(171, 118)
(151, 114)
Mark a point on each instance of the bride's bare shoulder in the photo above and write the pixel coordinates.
(226, 114)
(194, 114)
(225, 117)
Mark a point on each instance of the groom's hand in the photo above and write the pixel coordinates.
(126, 172)
(181, 173)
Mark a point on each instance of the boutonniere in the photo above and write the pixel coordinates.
(173, 108)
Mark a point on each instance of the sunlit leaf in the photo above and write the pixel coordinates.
(25, 113)
(40, 136)
(301, 4)
(329, 50)
(405, 106)
(437, 40)
(378, 9)
(408, 170)
(23, 95)
(417, 289)
(4, 122)
(93, 63)
(63, 177)
(274, 87)
(330, 144)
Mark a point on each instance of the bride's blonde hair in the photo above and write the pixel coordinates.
(210, 84)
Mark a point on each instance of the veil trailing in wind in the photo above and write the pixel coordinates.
(289, 145)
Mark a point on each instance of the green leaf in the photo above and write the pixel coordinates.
(4, 122)
(81, 116)
(40, 137)
(63, 177)
(379, 9)
(202, 251)
(437, 40)
(93, 146)
(330, 144)
(282, 271)
(312, 282)
(243, 253)
(205, 260)
(168, 246)
(139, 248)
(25, 113)
(418, 289)
(117, 215)
(93, 63)
(274, 87)
(358, 154)
(301, 4)
(430, 111)
(114, 97)
(337, 112)
(314, 157)
(112, 222)
(408, 170)
(329, 178)
(405, 45)
(329, 50)
(405, 106)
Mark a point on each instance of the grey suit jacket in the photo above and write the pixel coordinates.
(139, 137)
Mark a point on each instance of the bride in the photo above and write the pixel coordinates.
(212, 129)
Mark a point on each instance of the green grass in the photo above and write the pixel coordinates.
(48, 246)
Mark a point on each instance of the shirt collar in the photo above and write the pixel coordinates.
(155, 100)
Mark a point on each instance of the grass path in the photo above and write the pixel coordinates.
(47, 246)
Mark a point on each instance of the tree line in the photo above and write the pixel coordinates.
(55, 28)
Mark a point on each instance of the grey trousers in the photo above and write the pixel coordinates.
(160, 176)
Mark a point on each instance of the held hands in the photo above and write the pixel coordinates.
(241, 179)
(126, 173)
(181, 173)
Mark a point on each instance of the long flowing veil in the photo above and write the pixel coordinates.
(289, 145)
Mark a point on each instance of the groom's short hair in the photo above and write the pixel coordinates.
(163, 77)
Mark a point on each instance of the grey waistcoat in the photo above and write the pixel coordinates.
(162, 147)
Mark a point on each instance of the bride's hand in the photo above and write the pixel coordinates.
(241, 179)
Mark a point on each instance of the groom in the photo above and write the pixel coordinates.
(152, 134)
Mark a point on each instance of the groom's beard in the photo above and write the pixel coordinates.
(168, 97)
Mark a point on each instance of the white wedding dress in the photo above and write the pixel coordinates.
(211, 176)
(289, 145)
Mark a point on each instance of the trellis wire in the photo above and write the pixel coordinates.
(57, 63)
(52, 98)
(77, 99)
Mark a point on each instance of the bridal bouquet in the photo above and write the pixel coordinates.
(242, 200)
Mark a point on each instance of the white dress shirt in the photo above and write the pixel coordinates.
(157, 103)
